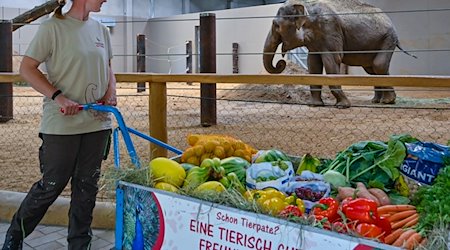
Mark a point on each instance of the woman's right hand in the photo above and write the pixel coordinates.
(68, 107)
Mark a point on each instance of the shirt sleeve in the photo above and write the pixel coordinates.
(41, 45)
(108, 42)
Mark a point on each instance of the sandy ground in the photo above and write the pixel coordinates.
(264, 116)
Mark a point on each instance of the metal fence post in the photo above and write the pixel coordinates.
(140, 60)
(208, 101)
(6, 89)
(197, 48)
(189, 59)
(235, 58)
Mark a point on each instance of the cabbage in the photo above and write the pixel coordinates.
(336, 179)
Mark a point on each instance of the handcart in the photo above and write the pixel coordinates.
(126, 135)
(148, 218)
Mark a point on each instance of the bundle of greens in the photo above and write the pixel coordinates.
(374, 163)
(433, 202)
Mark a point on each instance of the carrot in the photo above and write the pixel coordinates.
(402, 223)
(413, 221)
(413, 241)
(394, 208)
(393, 236)
(402, 215)
(382, 197)
(385, 215)
(403, 237)
(423, 242)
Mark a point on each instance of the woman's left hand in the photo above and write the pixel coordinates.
(109, 98)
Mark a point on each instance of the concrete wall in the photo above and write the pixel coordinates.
(417, 31)
(124, 30)
(420, 30)
(250, 33)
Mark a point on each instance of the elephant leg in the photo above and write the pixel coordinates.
(377, 90)
(388, 95)
(315, 66)
(332, 66)
(381, 67)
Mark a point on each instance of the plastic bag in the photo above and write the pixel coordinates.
(268, 174)
(313, 182)
(423, 161)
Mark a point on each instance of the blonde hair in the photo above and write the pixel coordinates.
(58, 10)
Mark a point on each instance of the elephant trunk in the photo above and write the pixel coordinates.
(270, 46)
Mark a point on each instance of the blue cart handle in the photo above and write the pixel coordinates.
(123, 128)
(125, 132)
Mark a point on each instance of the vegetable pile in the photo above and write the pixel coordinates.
(361, 192)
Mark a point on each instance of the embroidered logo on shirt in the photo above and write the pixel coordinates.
(99, 43)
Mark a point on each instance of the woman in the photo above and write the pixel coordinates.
(77, 52)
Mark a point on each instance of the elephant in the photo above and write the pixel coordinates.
(334, 31)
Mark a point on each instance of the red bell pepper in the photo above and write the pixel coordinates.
(370, 231)
(339, 226)
(327, 207)
(291, 211)
(384, 224)
(346, 201)
(322, 222)
(361, 210)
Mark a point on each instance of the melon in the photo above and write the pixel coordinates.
(166, 187)
(168, 171)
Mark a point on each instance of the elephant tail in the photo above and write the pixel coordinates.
(406, 52)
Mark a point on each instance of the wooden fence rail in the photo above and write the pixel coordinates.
(158, 88)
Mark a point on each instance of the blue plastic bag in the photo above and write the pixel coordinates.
(424, 160)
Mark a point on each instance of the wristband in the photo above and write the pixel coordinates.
(57, 92)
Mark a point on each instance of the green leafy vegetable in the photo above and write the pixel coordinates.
(374, 163)
(433, 202)
(335, 178)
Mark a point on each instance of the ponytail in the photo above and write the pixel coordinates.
(58, 10)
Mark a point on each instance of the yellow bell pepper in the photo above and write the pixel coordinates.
(293, 200)
(273, 206)
(270, 193)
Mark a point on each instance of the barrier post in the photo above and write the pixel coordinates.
(6, 89)
(189, 59)
(235, 58)
(208, 100)
(140, 60)
(158, 117)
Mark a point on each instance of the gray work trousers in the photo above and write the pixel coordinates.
(62, 158)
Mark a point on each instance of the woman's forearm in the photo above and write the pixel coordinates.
(31, 74)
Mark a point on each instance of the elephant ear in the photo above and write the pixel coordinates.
(301, 12)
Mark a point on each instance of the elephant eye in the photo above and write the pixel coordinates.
(275, 24)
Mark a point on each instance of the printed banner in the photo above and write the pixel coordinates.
(160, 220)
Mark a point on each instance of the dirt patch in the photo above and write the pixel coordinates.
(266, 116)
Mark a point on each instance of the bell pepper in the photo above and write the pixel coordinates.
(339, 226)
(370, 231)
(293, 200)
(385, 225)
(273, 206)
(273, 193)
(260, 196)
(328, 208)
(361, 210)
(346, 201)
(290, 211)
(322, 222)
